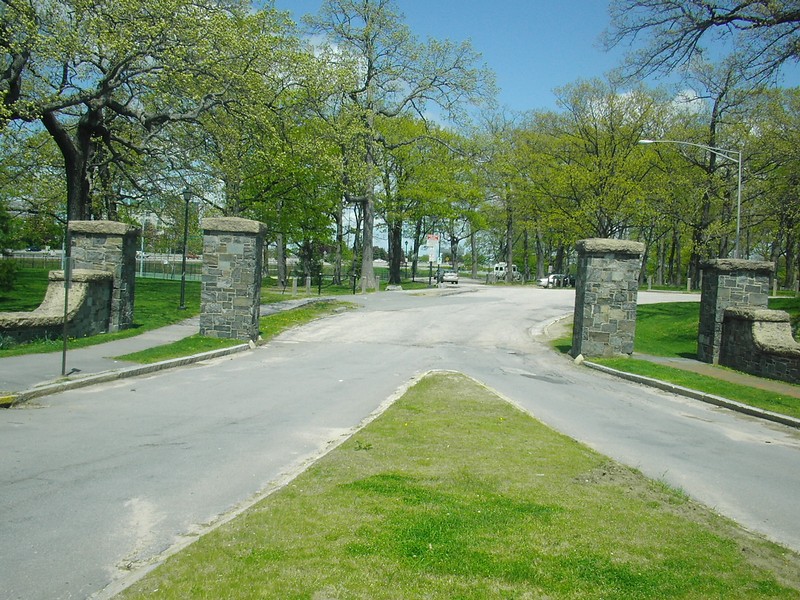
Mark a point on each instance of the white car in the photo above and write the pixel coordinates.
(557, 280)
(450, 277)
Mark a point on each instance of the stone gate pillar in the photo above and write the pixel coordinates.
(606, 289)
(728, 283)
(108, 246)
(231, 287)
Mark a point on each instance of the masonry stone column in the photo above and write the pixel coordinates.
(109, 246)
(728, 283)
(606, 289)
(231, 286)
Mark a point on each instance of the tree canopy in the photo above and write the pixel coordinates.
(764, 34)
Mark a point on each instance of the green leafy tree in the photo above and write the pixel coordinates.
(395, 74)
(7, 267)
(105, 79)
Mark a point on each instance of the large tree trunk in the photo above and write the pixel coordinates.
(337, 261)
(368, 280)
(415, 260)
(539, 255)
(395, 251)
(789, 279)
(526, 270)
(454, 252)
(509, 241)
(74, 151)
(280, 259)
(473, 253)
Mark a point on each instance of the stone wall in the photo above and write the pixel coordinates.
(760, 342)
(88, 309)
(231, 285)
(109, 246)
(728, 283)
(606, 290)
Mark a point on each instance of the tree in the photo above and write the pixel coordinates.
(7, 267)
(105, 78)
(395, 74)
(588, 164)
(765, 34)
(774, 164)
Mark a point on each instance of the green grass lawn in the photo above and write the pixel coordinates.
(156, 305)
(670, 329)
(454, 493)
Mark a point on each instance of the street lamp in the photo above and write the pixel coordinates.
(187, 195)
(732, 155)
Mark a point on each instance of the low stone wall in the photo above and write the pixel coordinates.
(728, 283)
(759, 341)
(88, 310)
(109, 246)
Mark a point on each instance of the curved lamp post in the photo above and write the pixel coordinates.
(732, 155)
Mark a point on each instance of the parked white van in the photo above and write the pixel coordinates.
(500, 270)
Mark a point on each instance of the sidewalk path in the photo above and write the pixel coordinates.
(695, 366)
(20, 373)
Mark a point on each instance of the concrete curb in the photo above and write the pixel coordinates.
(113, 375)
(11, 400)
(702, 396)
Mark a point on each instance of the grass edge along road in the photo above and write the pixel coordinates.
(269, 326)
(670, 329)
(455, 493)
(156, 305)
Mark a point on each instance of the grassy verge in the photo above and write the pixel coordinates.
(274, 324)
(270, 326)
(156, 305)
(670, 329)
(785, 405)
(453, 493)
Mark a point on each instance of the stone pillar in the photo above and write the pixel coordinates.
(231, 288)
(109, 246)
(728, 283)
(605, 297)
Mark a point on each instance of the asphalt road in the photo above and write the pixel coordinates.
(98, 483)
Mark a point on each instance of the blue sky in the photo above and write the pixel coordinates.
(533, 46)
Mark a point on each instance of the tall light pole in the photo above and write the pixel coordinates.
(732, 155)
(187, 195)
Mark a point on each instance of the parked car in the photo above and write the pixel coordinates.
(450, 277)
(557, 280)
(501, 269)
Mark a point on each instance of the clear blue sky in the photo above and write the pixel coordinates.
(533, 46)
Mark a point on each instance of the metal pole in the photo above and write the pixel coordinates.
(186, 197)
(736, 251)
(141, 252)
(67, 277)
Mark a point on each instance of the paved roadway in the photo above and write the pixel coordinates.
(98, 482)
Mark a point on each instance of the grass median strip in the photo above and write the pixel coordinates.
(270, 326)
(454, 493)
